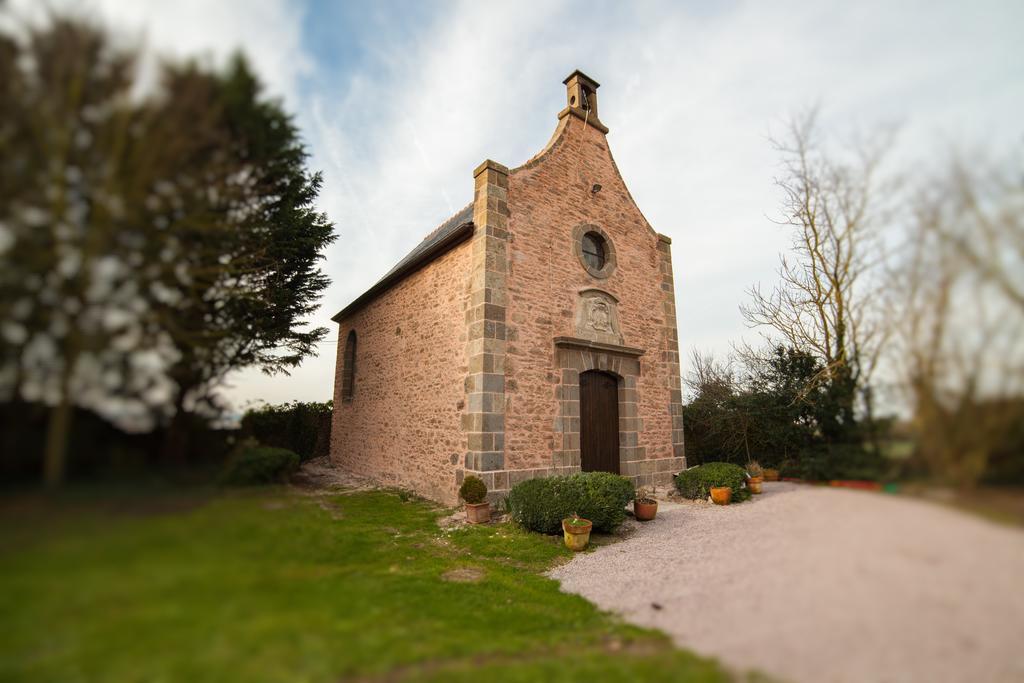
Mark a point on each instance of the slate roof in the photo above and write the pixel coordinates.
(444, 237)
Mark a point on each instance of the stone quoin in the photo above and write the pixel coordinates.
(531, 334)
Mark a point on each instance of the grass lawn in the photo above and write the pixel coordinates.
(273, 585)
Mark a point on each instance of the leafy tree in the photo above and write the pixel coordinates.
(708, 418)
(150, 243)
(764, 406)
(793, 406)
(73, 176)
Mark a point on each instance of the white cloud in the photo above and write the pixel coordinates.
(691, 98)
(690, 94)
(269, 31)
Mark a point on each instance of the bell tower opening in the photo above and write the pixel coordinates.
(581, 96)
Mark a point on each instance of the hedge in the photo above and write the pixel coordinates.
(837, 461)
(304, 428)
(259, 465)
(695, 482)
(541, 504)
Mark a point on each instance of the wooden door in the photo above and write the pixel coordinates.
(599, 422)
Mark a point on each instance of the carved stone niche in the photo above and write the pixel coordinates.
(597, 317)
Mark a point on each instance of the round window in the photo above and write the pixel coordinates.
(594, 252)
(594, 249)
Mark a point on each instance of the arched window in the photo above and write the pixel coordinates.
(348, 378)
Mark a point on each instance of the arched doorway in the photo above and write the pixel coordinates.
(599, 422)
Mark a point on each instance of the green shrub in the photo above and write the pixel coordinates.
(304, 428)
(854, 461)
(695, 482)
(790, 469)
(815, 465)
(836, 461)
(473, 490)
(689, 484)
(541, 504)
(259, 465)
(532, 505)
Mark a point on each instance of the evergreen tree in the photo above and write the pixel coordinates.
(252, 284)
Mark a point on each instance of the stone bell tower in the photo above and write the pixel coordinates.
(581, 98)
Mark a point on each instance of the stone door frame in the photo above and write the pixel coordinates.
(573, 356)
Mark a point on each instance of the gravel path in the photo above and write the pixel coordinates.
(817, 584)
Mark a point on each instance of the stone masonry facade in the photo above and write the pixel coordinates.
(402, 425)
(471, 363)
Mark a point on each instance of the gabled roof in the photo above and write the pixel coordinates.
(453, 231)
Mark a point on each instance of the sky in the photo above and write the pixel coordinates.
(398, 102)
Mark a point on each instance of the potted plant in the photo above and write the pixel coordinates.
(770, 474)
(576, 531)
(645, 507)
(474, 492)
(755, 476)
(721, 495)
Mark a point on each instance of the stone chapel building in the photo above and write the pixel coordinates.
(532, 334)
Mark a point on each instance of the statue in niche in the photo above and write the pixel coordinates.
(597, 318)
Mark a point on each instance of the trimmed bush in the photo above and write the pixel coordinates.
(541, 504)
(259, 465)
(696, 482)
(473, 490)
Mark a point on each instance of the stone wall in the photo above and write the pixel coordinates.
(402, 426)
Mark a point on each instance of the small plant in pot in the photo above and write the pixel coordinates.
(755, 476)
(645, 507)
(576, 531)
(474, 492)
(770, 474)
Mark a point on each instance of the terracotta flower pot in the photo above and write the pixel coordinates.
(721, 495)
(645, 510)
(771, 475)
(577, 536)
(754, 484)
(478, 513)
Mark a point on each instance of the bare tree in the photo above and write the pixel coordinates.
(986, 228)
(823, 302)
(708, 375)
(960, 315)
(721, 408)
